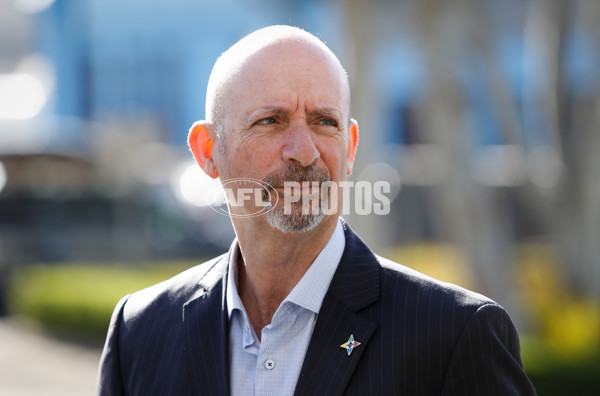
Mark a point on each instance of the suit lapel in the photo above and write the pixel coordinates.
(327, 368)
(206, 330)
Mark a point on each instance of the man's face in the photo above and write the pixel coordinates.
(286, 119)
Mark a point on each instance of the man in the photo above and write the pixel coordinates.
(299, 305)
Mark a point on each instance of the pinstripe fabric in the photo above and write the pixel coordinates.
(170, 339)
(418, 336)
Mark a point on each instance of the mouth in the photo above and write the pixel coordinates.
(303, 188)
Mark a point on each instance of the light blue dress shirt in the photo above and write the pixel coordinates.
(272, 366)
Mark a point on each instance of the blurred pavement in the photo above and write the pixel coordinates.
(32, 364)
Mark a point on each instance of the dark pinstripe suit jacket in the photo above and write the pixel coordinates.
(418, 336)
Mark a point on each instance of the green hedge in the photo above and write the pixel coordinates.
(560, 372)
(79, 299)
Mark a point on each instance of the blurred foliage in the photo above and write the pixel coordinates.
(561, 349)
(569, 323)
(79, 298)
(560, 342)
(443, 262)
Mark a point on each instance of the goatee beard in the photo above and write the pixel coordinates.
(297, 221)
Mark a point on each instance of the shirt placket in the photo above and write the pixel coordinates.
(271, 365)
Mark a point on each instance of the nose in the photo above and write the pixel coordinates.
(299, 145)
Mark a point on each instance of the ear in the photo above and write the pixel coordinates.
(352, 143)
(201, 144)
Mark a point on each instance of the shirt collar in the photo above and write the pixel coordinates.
(310, 290)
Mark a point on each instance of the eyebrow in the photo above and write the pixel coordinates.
(327, 112)
(264, 111)
(331, 112)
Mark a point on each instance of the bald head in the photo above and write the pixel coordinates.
(279, 39)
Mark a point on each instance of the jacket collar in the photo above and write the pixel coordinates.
(327, 368)
(206, 332)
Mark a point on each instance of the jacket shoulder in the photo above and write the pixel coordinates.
(176, 290)
(425, 286)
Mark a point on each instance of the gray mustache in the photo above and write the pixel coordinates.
(298, 173)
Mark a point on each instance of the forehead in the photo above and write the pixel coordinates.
(288, 71)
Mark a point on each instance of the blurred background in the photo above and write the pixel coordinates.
(483, 116)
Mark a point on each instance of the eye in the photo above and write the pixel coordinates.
(328, 122)
(267, 121)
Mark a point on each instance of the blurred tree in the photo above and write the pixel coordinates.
(470, 215)
(577, 120)
(545, 117)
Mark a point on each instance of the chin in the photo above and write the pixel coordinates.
(288, 223)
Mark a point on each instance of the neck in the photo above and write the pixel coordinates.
(269, 270)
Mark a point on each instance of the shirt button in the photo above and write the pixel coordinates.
(270, 364)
